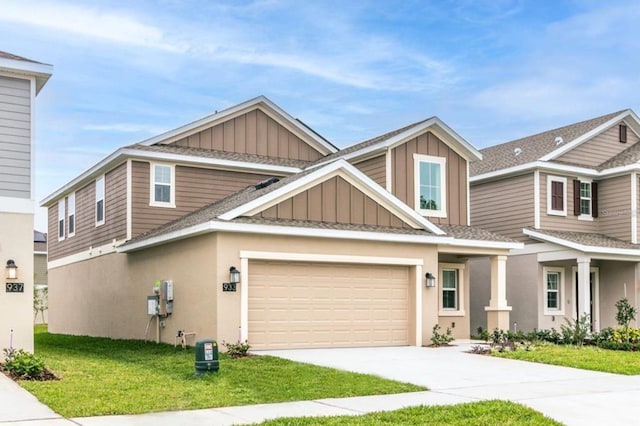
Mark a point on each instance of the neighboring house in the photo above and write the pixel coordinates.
(333, 246)
(40, 276)
(571, 195)
(20, 81)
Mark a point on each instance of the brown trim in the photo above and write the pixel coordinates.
(576, 197)
(594, 199)
(623, 133)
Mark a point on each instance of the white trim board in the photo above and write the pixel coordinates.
(246, 256)
(581, 247)
(91, 253)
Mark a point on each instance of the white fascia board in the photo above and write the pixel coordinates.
(358, 179)
(135, 154)
(540, 165)
(486, 244)
(221, 115)
(328, 258)
(215, 226)
(581, 247)
(41, 72)
(585, 137)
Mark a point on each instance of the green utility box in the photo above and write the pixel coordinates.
(206, 356)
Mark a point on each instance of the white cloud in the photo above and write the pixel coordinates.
(89, 22)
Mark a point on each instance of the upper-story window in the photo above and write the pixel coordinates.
(430, 185)
(162, 185)
(556, 198)
(585, 199)
(100, 201)
(71, 203)
(622, 133)
(61, 215)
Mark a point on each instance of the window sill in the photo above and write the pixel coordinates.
(432, 213)
(99, 223)
(163, 205)
(557, 213)
(585, 217)
(451, 313)
(553, 313)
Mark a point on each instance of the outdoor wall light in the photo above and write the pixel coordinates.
(234, 275)
(12, 270)
(431, 279)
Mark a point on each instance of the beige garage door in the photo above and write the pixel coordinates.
(319, 305)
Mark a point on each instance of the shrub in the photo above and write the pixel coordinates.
(237, 350)
(576, 331)
(619, 346)
(440, 339)
(630, 335)
(604, 335)
(483, 334)
(23, 364)
(624, 315)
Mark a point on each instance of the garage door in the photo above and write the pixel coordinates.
(320, 305)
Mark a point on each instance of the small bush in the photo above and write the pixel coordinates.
(575, 332)
(619, 346)
(237, 350)
(624, 315)
(441, 339)
(21, 364)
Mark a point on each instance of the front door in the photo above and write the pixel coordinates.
(592, 284)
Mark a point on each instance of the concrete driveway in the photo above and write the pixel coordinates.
(571, 396)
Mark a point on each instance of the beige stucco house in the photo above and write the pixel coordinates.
(571, 195)
(335, 248)
(20, 81)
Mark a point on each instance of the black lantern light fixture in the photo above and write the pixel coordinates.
(430, 279)
(12, 270)
(234, 275)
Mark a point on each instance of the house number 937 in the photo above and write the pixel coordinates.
(15, 287)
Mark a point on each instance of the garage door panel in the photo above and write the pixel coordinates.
(314, 305)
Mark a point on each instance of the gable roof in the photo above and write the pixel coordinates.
(397, 137)
(542, 146)
(262, 102)
(14, 64)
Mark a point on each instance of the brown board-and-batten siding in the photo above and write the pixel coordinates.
(600, 148)
(15, 137)
(87, 233)
(334, 201)
(375, 168)
(252, 133)
(456, 176)
(195, 188)
(504, 206)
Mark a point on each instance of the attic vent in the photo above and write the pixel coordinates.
(266, 183)
(559, 140)
(517, 151)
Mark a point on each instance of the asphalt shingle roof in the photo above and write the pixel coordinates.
(589, 239)
(533, 147)
(7, 55)
(628, 156)
(223, 155)
(472, 233)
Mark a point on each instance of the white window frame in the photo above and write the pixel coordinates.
(100, 196)
(71, 213)
(589, 216)
(550, 180)
(152, 186)
(448, 312)
(420, 158)
(61, 217)
(561, 290)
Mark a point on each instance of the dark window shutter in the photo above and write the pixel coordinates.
(557, 196)
(594, 199)
(623, 133)
(576, 197)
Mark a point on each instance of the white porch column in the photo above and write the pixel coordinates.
(584, 286)
(498, 310)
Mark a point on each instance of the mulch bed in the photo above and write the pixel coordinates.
(45, 376)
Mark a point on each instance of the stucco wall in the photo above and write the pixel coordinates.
(614, 277)
(16, 309)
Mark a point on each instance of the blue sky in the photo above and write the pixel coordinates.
(493, 70)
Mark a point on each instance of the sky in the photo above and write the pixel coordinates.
(493, 70)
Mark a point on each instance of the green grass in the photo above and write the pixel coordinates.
(104, 376)
(586, 358)
(476, 413)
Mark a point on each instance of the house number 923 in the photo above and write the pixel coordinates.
(15, 287)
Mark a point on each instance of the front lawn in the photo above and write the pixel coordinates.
(586, 358)
(104, 376)
(476, 413)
